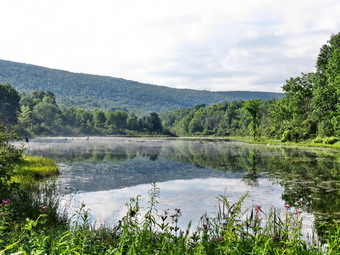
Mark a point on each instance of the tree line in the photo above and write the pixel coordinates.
(310, 108)
(37, 113)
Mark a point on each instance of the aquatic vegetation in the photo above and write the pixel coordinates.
(232, 230)
(31, 169)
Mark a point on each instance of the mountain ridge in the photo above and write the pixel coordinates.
(110, 93)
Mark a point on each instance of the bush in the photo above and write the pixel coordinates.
(318, 140)
(287, 136)
(9, 156)
(330, 140)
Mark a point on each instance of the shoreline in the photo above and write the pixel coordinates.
(245, 139)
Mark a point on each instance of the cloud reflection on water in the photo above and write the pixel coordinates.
(191, 173)
(194, 197)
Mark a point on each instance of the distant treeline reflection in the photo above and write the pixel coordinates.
(310, 178)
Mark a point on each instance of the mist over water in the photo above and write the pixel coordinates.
(105, 173)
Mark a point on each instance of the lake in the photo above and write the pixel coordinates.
(104, 173)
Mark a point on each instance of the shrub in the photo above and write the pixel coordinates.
(286, 136)
(318, 140)
(330, 140)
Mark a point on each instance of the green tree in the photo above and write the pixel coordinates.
(132, 122)
(9, 104)
(291, 117)
(25, 117)
(326, 95)
(120, 118)
(195, 126)
(84, 120)
(46, 113)
(253, 106)
(99, 118)
(37, 96)
(154, 122)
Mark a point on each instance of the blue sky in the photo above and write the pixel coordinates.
(216, 45)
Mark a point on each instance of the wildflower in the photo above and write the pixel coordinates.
(6, 202)
(298, 212)
(43, 208)
(258, 208)
(287, 207)
(276, 238)
(219, 239)
(257, 213)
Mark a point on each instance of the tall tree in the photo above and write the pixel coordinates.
(99, 118)
(155, 124)
(326, 95)
(291, 116)
(253, 107)
(25, 117)
(120, 118)
(132, 122)
(9, 104)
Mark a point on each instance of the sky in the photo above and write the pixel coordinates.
(216, 45)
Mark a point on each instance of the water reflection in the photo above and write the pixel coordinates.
(183, 194)
(309, 177)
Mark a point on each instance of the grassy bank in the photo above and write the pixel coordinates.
(30, 170)
(264, 140)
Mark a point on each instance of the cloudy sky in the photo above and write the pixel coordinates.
(216, 45)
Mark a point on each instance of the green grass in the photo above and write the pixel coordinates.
(233, 230)
(264, 140)
(30, 170)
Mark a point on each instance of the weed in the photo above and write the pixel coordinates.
(232, 230)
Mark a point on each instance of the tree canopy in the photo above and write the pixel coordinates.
(9, 104)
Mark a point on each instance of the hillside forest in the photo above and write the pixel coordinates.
(309, 110)
(109, 94)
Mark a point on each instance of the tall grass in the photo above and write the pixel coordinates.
(232, 230)
(31, 170)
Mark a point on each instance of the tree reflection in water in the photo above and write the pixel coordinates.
(310, 177)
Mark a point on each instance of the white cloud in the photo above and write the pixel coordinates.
(213, 45)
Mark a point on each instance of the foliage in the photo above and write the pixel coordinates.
(222, 119)
(309, 109)
(31, 170)
(9, 104)
(110, 94)
(9, 156)
(41, 115)
(291, 117)
(151, 232)
(330, 140)
(253, 107)
(311, 104)
(326, 94)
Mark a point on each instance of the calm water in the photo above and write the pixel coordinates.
(105, 173)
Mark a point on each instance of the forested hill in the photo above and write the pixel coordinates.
(94, 91)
